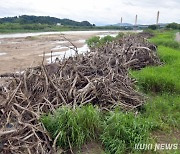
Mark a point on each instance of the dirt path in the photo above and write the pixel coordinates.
(178, 36)
(18, 53)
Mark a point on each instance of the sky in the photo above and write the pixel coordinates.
(99, 12)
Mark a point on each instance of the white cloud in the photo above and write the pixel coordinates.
(96, 11)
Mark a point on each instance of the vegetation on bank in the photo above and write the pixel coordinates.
(97, 41)
(22, 28)
(74, 126)
(161, 83)
(17, 28)
(166, 39)
(30, 19)
(173, 26)
(119, 131)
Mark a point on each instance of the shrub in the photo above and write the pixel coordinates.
(120, 35)
(106, 39)
(94, 41)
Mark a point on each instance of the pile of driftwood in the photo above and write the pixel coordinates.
(99, 77)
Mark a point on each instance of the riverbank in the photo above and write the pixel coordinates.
(19, 51)
(30, 28)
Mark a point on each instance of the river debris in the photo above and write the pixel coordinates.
(99, 77)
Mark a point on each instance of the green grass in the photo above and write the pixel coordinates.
(123, 130)
(169, 55)
(163, 110)
(19, 28)
(159, 80)
(163, 78)
(162, 84)
(166, 39)
(74, 126)
(22, 28)
(117, 131)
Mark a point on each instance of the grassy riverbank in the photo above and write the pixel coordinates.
(158, 121)
(23, 28)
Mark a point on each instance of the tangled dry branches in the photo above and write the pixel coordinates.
(99, 77)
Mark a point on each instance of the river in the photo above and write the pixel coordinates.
(17, 35)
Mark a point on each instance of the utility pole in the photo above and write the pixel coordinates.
(121, 20)
(135, 27)
(157, 21)
(135, 20)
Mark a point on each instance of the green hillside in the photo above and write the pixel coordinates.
(27, 19)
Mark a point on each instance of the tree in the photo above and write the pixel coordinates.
(173, 25)
(153, 27)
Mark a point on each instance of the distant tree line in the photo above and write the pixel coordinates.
(173, 26)
(26, 19)
(169, 26)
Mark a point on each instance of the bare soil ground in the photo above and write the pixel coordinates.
(24, 52)
(167, 137)
(90, 148)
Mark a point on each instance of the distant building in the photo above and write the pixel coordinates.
(59, 24)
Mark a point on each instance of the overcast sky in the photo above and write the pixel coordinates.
(100, 12)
